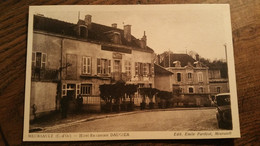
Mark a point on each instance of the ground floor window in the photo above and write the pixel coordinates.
(191, 90)
(86, 89)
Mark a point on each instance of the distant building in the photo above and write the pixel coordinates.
(71, 59)
(190, 78)
(217, 84)
(190, 75)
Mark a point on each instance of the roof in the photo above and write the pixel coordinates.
(159, 70)
(183, 58)
(95, 33)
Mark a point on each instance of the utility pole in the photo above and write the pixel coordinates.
(169, 58)
(225, 45)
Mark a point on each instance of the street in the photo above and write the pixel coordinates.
(171, 120)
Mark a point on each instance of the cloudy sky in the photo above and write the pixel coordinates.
(178, 28)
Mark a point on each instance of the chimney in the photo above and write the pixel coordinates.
(127, 32)
(197, 57)
(88, 20)
(114, 25)
(143, 41)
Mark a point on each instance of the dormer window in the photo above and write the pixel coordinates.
(177, 64)
(83, 31)
(197, 64)
(116, 38)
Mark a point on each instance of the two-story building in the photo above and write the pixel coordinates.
(83, 56)
(190, 76)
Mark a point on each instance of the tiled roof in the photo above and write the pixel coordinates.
(159, 70)
(183, 58)
(96, 32)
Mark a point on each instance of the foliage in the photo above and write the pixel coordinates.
(216, 65)
(149, 92)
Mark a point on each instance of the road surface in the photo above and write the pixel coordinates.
(173, 120)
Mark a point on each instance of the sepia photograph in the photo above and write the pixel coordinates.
(130, 72)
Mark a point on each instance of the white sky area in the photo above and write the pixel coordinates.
(199, 28)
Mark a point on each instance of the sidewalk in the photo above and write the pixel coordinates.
(55, 121)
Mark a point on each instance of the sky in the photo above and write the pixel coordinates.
(177, 28)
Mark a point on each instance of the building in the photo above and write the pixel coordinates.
(71, 59)
(163, 78)
(190, 77)
(217, 83)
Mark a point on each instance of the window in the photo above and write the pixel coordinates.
(39, 60)
(200, 77)
(103, 66)
(145, 69)
(218, 89)
(191, 90)
(201, 90)
(117, 66)
(128, 67)
(116, 38)
(189, 75)
(86, 65)
(86, 89)
(178, 77)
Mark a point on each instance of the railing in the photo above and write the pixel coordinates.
(39, 74)
(91, 99)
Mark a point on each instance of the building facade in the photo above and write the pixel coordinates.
(217, 83)
(81, 57)
(190, 75)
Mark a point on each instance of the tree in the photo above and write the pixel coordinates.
(147, 92)
(106, 95)
(165, 99)
(130, 90)
(118, 92)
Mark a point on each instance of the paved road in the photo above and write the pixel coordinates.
(175, 120)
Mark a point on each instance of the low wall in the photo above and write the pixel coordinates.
(193, 100)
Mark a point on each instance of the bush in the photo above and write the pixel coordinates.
(151, 105)
(106, 107)
(130, 106)
(123, 106)
(142, 105)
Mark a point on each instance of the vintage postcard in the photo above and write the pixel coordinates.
(130, 72)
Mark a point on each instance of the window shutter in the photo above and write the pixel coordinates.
(44, 58)
(136, 68)
(33, 59)
(77, 89)
(109, 66)
(84, 68)
(98, 66)
(88, 65)
(64, 89)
